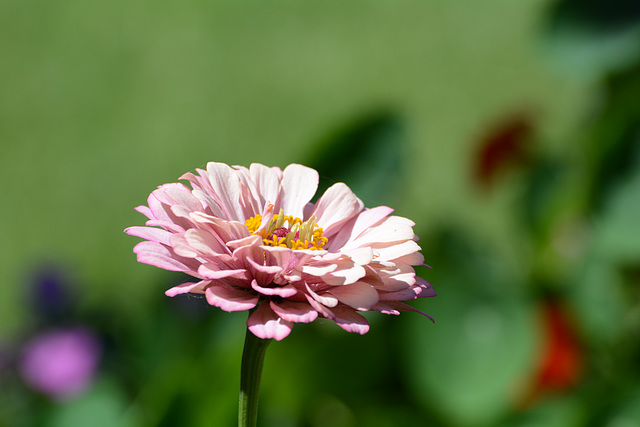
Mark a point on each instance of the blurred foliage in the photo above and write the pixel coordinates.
(508, 131)
(348, 154)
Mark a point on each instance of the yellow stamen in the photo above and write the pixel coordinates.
(309, 234)
(253, 223)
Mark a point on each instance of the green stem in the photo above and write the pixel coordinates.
(250, 374)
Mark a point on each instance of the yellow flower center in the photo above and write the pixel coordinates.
(288, 232)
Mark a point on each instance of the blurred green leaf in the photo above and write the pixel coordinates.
(103, 406)
(591, 38)
(615, 239)
(368, 154)
(627, 412)
(468, 365)
(565, 411)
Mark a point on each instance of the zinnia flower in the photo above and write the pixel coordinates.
(253, 241)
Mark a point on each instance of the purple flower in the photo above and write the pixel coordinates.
(61, 363)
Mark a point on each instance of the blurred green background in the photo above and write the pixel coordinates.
(508, 131)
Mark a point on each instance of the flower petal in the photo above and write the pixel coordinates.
(182, 196)
(150, 233)
(350, 321)
(370, 217)
(155, 254)
(335, 207)
(321, 309)
(285, 291)
(360, 256)
(265, 323)
(324, 299)
(229, 298)
(298, 312)
(144, 210)
(204, 242)
(360, 296)
(245, 241)
(427, 288)
(395, 251)
(395, 307)
(226, 184)
(181, 247)
(392, 229)
(319, 269)
(188, 287)
(299, 184)
(267, 182)
(346, 274)
(212, 271)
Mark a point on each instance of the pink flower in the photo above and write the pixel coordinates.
(61, 363)
(253, 241)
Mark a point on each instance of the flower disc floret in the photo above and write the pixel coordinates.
(288, 232)
(224, 231)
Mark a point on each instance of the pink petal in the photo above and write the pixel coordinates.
(427, 288)
(396, 278)
(335, 207)
(346, 274)
(319, 269)
(204, 242)
(160, 204)
(350, 321)
(281, 291)
(150, 233)
(385, 308)
(355, 226)
(229, 298)
(157, 208)
(265, 323)
(182, 196)
(415, 258)
(267, 182)
(361, 256)
(394, 251)
(188, 287)
(360, 296)
(397, 282)
(213, 271)
(211, 201)
(392, 229)
(395, 307)
(299, 184)
(181, 247)
(144, 210)
(245, 241)
(267, 269)
(403, 295)
(324, 299)
(225, 230)
(167, 225)
(298, 312)
(368, 218)
(254, 259)
(321, 309)
(226, 185)
(250, 195)
(155, 254)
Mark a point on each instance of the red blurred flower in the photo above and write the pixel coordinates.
(502, 146)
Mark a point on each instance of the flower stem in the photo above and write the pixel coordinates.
(250, 374)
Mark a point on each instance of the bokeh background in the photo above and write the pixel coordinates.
(508, 131)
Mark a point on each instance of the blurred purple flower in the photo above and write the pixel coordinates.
(61, 363)
(50, 294)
